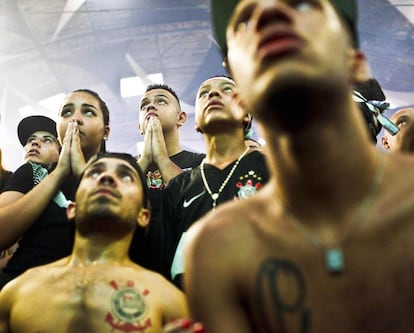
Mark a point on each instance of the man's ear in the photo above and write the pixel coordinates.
(247, 121)
(360, 69)
(198, 129)
(385, 143)
(143, 218)
(71, 211)
(181, 119)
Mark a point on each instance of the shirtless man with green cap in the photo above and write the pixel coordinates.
(326, 246)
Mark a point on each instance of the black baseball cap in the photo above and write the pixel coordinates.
(221, 11)
(29, 125)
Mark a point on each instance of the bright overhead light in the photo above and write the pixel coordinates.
(53, 103)
(48, 107)
(156, 78)
(134, 85)
(26, 111)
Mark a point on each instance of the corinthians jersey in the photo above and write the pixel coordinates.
(186, 200)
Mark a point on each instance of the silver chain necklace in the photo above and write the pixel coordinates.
(334, 256)
(215, 196)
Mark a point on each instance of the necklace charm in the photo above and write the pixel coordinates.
(334, 256)
(215, 196)
(334, 259)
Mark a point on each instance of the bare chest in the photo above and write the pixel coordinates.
(290, 288)
(89, 303)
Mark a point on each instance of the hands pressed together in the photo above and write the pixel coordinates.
(154, 149)
(71, 158)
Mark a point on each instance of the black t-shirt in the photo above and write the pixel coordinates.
(49, 238)
(186, 199)
(146, 246)
(4, 178)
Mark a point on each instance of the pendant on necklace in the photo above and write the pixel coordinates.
(334, 259)
(214, 196)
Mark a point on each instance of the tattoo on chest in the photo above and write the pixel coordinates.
(129, 309)
(274, 302)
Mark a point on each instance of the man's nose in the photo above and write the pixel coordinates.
(35, 143)
(213, 93)
(150, 106)
(271, 12)
(106, 178)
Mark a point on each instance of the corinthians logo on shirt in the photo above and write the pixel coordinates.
(248, 185)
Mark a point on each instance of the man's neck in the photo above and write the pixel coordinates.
(322, 164)
(222, 149)
(100, 249)
(172, 142)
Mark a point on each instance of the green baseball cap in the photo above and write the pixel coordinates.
(221, 11)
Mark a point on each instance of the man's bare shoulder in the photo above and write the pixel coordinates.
(244, 216)
(35, 275)
(397, 189)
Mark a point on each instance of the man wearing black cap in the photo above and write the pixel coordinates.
(32, 212)
(38, 136)
(326, 245)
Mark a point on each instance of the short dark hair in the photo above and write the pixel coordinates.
(164, 87)
(122, 156)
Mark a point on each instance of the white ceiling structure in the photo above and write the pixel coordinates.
(50, 47)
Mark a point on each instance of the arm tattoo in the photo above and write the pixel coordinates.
(269, 297)
(129, 310)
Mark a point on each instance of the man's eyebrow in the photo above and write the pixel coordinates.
(127, 168)
(227, 83)
(47, 136)
(402, 117)
(161, 95)
(204, 86)
(146, 100)
(42, 136)
(96, 165)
